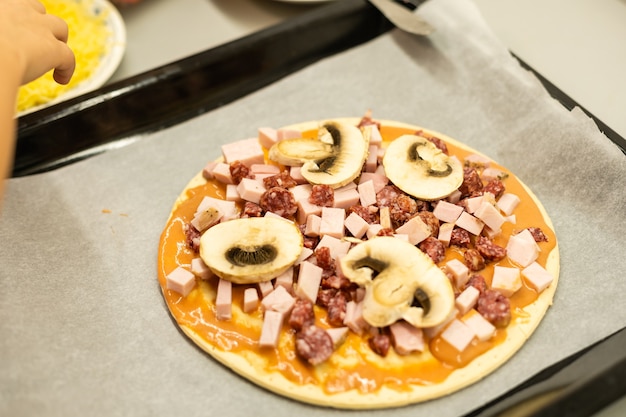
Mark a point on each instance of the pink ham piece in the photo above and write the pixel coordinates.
(305, 210)
(270, 332)
(267, 136)
(338, 335)
(401, 236)
(304, 255)
(181, 281)
(251, 190)
(375, 136)
(278, 300)
(537, 277)
(493, 174)
(455, 197)
(458, 335)
(296, 174)
(416, 229)
(447, 212)
(204, 219)
(346, 197)
(199, 269)
(207, 171)
(354, 317)
(406, 338)
(379, 181)
(477, 160)
(309, 279)
(445, 233)
(265, 288)
(367, 193)
(459, 272)
(337, 247)
(221, 173)
(490, 215)
(224, 300)
(472, 204)
(481, 327)
(332, 221)
(470, 223)
(250, 300)
(356, 225)
(285, 279)
(431, 332)
(522, 248)
(288, 134)
(373, 230)
(301, 192)
(231, 193)
(264, 169)
(313, 223)
(247, 151)
(371, 162)
(506, 280)
(227, 208)
(508, 203)
(467, 299)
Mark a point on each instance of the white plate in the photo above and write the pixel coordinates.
(108, 63)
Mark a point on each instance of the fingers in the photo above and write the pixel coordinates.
(57, 26)
(66, 61)
(65, 69)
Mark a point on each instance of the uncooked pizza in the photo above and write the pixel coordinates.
(357, 263)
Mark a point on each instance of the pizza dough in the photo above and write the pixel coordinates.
(354, 376)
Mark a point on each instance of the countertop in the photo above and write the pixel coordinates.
(575, 44)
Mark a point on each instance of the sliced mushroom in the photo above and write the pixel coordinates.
(416, 166)
(334, 158)
(396, 275)
(251, 250)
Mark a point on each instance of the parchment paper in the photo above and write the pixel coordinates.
(84, 329)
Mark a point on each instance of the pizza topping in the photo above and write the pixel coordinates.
(494, 307)
(314, 344)
(270, 247)
(395, 274)
(419, 168)
(406, 338)
(335, 158)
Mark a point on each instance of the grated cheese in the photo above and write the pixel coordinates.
(88, 38)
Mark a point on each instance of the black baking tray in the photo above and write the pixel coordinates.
(170, 94)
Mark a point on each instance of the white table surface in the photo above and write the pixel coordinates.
(578, 45)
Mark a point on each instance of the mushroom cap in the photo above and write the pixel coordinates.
(251, 250)
(334, 158)
(401, 271)
(416, 166)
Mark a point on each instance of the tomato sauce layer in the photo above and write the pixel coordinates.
(353, 365)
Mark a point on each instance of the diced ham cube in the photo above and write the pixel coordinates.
(200, 269)
(379, 181)
(285, 279)
(301, 192)
(375, 136)
(522, 248)
(481, 327)
(373, 230)
(356, 225)
(332, 222)
(270, 332)
(296, 174)
(458, 335)
(508, 203)
(278, 300)
(306, 209)
(206, 218)
(304, 255)
(416, 229)
(345, 198)
(207, 171)
(224, 300)
(506, 280)
(447, 212)
(467, 299)
(228, 209)
(284, 134)
(490, 216)
(490, 233)
(313, 223)
(431, 332)
(231, 192)
(251, 190)
(265, 288)
(445, 233)
(459, 272)
(455, 197)
(247, 151)
(371, 162)
(401, 236)
(264, 169)
(406, 338)
(472, 204)
(221, 173)
(491, 173)
(367, 193)
(250, 300)
(337, 247)
(470, 223)
(349, 186)
(309, 280)
(354, 317)
(476, 159)
(267, 136)
(537, 276)
(338, 335)
(180, 280)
